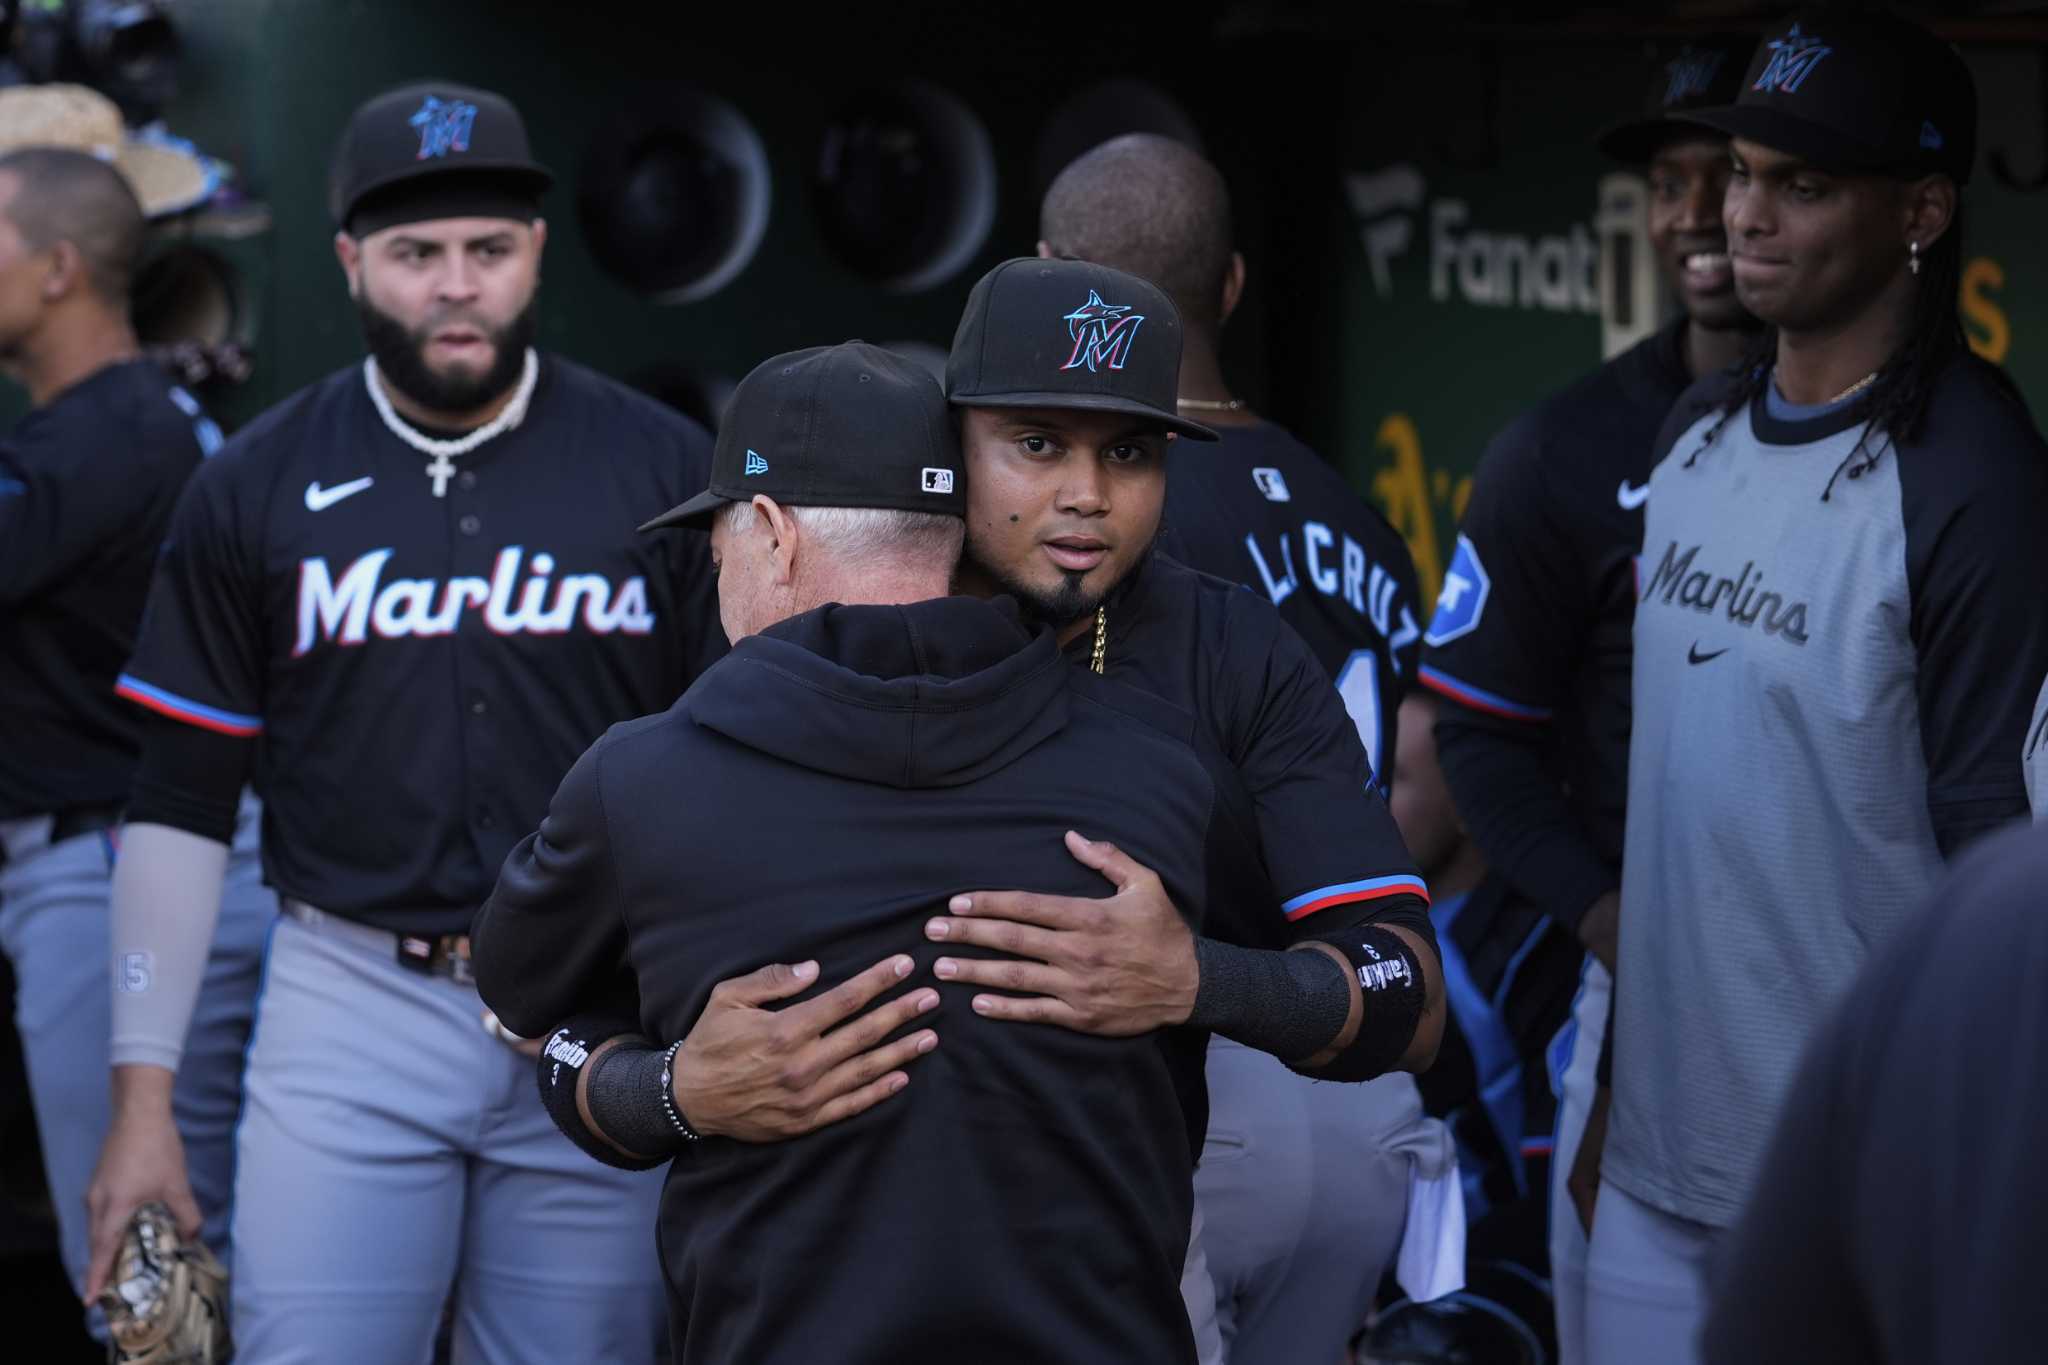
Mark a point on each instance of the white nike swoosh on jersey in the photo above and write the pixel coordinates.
(319, 499)
(1631, 498)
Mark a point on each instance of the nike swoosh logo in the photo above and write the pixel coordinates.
(1693, 655)
(319, 499)
(1631, 498)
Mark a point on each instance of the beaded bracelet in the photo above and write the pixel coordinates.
(668, 1098)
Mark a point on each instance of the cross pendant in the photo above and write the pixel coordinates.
(440, 471)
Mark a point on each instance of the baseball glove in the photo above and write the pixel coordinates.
(167, 1303)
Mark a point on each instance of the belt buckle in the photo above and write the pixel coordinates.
(416, 953)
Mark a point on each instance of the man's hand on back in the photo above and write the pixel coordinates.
(763, 1075)
(1115, 966)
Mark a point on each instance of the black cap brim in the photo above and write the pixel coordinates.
(522, 177)
(1635, 141)
(1783, 131)
(1087, 402)
(694, 515)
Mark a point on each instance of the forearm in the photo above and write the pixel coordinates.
(1517, 813)
(600, 1081)
(166, 898)
(1307, 1006)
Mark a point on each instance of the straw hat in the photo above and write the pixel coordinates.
(167, 174)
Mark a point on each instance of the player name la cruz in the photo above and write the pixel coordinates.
(359, 603)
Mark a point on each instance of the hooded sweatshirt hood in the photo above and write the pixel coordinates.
(928, 694)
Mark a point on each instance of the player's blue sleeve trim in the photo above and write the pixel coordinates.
(182, 708)
(1343, 893)
(1478, 698)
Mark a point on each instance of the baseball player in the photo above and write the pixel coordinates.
(1294, 1263)
(407, 597)
(1530, 639)
(87, 483)
(1837, 645)
(1066, 481)
(918, 740)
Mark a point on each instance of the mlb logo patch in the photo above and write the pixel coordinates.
(1272, 483)
(938, 480)
(1463, 599)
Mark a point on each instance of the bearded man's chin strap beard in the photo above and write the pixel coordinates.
(399, 353)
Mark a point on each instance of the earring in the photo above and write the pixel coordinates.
(1913, 257)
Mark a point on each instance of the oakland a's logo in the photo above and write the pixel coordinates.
(444, 127)
(1102, 334)
(1793, 58)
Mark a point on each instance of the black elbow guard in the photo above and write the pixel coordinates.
(561, 1063)
(1391, 980)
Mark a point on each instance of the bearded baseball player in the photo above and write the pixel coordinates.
(87, 483)
(408, 597)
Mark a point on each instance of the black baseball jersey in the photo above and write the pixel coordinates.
(1530, 636)
(1304, 835)
(87, 485)
(420, 671)
(1262, 509)
(1027, 1198)
(1302, 840)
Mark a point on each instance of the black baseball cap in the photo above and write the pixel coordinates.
(1069, 334)
(433, 150)
(1702, 73)
(834, 426)
(1865, 93)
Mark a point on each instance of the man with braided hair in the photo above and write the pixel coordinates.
(1838, 641)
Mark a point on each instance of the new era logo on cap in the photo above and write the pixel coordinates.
(755, 464)
(1930, 137)
(938, 480)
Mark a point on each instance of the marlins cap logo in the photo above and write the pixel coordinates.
(444, 126)
(1102, 334)
(1690, 73)
(1793, 58)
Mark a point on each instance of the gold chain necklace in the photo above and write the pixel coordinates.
(1865, 382)
(1101, 638)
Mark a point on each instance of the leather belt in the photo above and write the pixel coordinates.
(444, 956)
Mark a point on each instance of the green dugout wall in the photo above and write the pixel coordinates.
(1422, 208)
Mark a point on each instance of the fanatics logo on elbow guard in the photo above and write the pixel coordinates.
(359, 604)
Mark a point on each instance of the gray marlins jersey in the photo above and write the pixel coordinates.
(1831, 694)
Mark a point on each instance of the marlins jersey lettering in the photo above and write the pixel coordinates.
(1262, 509)
(1831, 694)
(87, 485)
(462, 650)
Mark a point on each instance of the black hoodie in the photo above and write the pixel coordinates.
(820, 793)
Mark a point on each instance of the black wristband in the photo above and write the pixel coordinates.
(628, 1097)
(563, 1060)
(1289, 1004)
(1391, 980)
